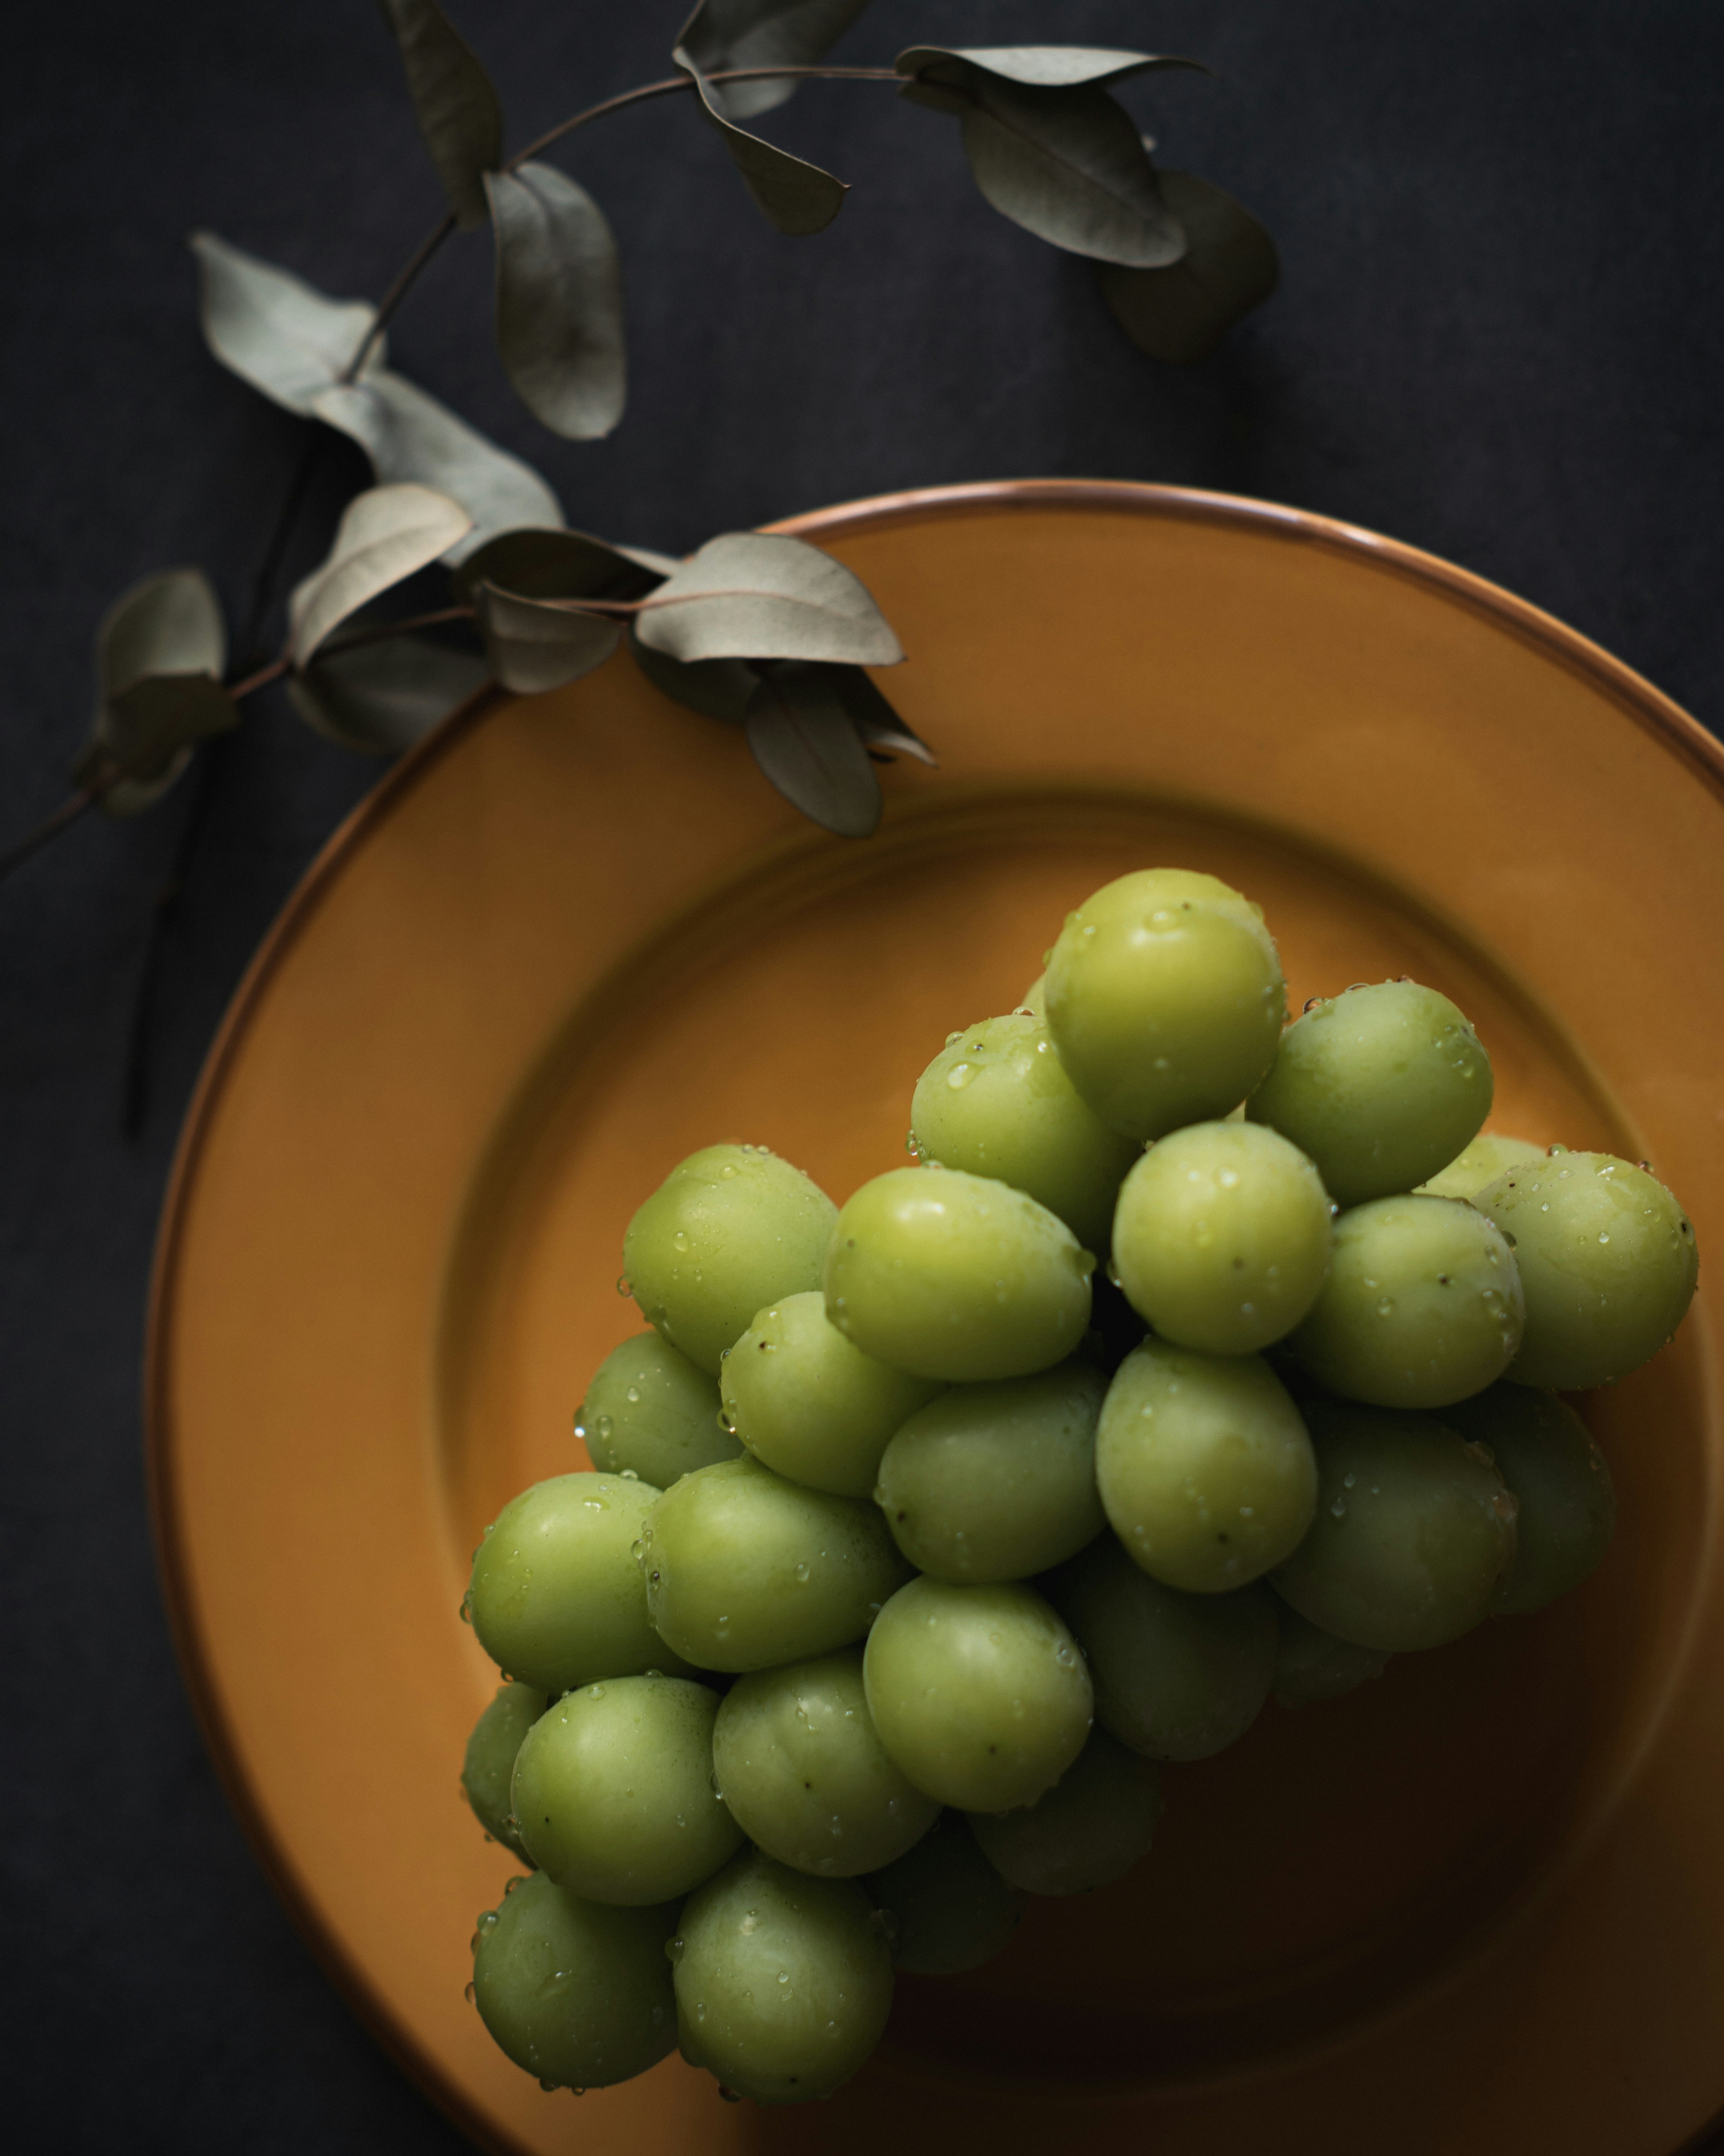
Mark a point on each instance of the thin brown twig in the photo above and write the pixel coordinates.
(375, 632)
(69, 810)
(405, 278)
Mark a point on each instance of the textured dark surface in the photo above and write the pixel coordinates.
(1500, 336)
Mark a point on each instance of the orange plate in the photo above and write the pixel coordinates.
(1478, 1906)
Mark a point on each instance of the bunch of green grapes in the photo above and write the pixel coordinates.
(912, 1551)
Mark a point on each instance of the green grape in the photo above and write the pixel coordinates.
(497, 1736)
(1414, 1532)
(1089, 1830)
(978, 1693)
(745, 1570)
(1165, 1000)
(1205, 1466)
(1034, 998)
(649, 1412)
(1381, 1085)
(1609, 1262)
(809, 1405)
(1221, 1240)
(992, 1482)
(613, 1794)
(947, 1907)
(997, 1101)
(1490, 1154)
(1422, 1304)
(1312, 1664)
(950, 1275)
(783, 1983)
(557, 1597)
(1557, 1475)
(1177, 1676)
(729, 1230)
(574, 1992)
(802, 1770)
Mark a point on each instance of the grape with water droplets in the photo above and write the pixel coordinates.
(1558, 1477)
(1479, 1164)
(1092, 1827)
(498, 1736)
(650, 1412)
(1312, 1664)
(947, 1907)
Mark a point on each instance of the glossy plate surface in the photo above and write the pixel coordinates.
(1480, 1904)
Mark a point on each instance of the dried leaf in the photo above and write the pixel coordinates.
(759, 595)
(875, 721)
(1180, 313)
(559, 301)
(719, 688)
(535, 645)
(743, 33)
(381, 698)
(805, 740)
(384, 536)
(555, 565)
(147, 731)
(408, 436)
(453, 102)
(1047, 66)
(171, 626)
(272, 329)
(798, 197)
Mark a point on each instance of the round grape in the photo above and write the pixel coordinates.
(1422, 1304)
(950, 1275)
(1165, 1000)
(1490, 1154)
(809, 1405)
(1382, 1086)
(650, 1412)
(1557, 1475)
(497, 1736)
(994, 1482)
(730, 1229)
(948, 1909)
(978, 1693)
(1414, 1532)
(1221, 1240)
(1312, 1664)
(1205, 1466)
(783, 1983)
(576, 1992)
(1609, 1262)
(745, 1570)
(612, 1791)
(1089, 1829)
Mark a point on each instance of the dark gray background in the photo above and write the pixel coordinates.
(1501, 336)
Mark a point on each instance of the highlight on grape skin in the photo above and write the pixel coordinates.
(918, 1563)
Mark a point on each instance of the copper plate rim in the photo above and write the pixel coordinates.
(1674, 728)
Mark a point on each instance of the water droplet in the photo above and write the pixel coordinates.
(1339, 1508)
(801, 1574)
(470, 1994)
(960, 1076)
(624, 1286)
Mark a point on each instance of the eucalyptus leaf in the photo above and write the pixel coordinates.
(169, 623)
(1047, 66)
(803, 738)
(719, 688)
(1180, 313)
(744, 33)
(874, 718)
(408, 436)
(559, 301)
(380, 698)
(535, 645)
(147, 731)
(761, 595)
(453, 102)
(798, 197)
(272, 329)
(555, 565)
(384, 536)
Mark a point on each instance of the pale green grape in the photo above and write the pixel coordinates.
(1490, 1154)
(1557, 1475)
(1034, 998)
(1312, 1664)
(576, 1992)
(1177, 1676)
(1382, 1086)
(650, 1412)
(952, 1276)
(809, 1405)
(1089, 1829)
(783, 1983)
(949, 1908)
(1221, 1240)
(745, 1570)
(1414, 1532)
(1165, 1000)
(1422, 1304)
(730, 1229)
(997, 1101)
(1205, 1466)
(1608, 1260)
(612, 1791)
(978, 1693)
(497, 1736)
(557, 1597)
(992, 1482)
